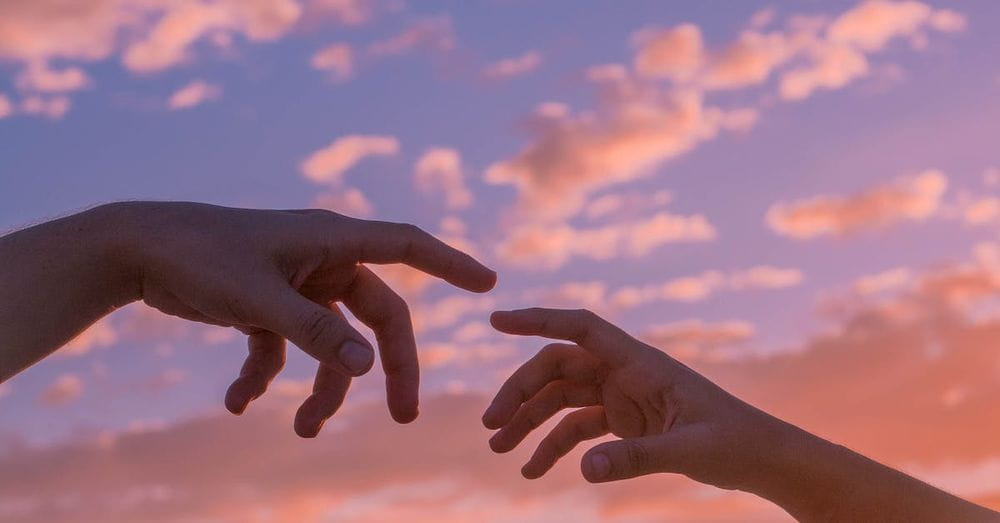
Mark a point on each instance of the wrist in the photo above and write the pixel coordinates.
(801, 472)
(119, 248)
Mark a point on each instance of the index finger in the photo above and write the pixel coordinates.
(386, 242)
(582, 327)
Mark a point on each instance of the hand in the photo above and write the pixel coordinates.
(670, 418)
(278, 275)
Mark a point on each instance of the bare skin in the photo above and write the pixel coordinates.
(274, 275)
(672, 420)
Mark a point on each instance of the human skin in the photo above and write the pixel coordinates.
(672, 420)
(274, 275)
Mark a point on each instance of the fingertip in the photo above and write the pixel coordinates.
(498, 318)
(530, 472)
(356, 357)
(404, 416)
(236, 401)
(595, 466)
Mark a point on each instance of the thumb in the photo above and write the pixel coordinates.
(633, 457)
(317, 330)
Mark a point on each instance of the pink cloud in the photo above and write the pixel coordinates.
(53, 107)
(514, 66)
(872, 24)
(6, 108)
(193, 94)
(698, 339)
(337, 60)
(439, 169)
(706, 284)
(635, 128)
(547, 247)
(100, 334)
(675, 53)
(434, 33)
(440, 469)
(327, 165)
(39, 77)
(66, 389)
(911, 198)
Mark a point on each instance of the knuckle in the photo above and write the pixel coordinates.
(636, 456)
(316, 327)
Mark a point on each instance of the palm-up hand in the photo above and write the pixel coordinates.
(670, 418)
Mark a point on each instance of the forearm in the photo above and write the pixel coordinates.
(58, 278)
(816, 480)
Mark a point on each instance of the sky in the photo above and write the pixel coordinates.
(799, 199)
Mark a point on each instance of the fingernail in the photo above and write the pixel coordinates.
(355, 356)
(600, 465)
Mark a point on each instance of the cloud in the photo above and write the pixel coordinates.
(351, 202)
(870, 25)
(440, 169)
(675, 53)
(66, 389)
(824, 53)
(6, 108)
(327, 165)
(548, 247)
(981, 211)
(348, 12)
(625, 204)
(635, 128)
(432, 33)
(887, 280)
(514, 66)
(909, 198)
(765, 277)
(100, 334)
(702, 286)
(193, 94)
(169, 41)
(38, 77)
(337, 60)
(448, 311)
(698, 339)
(198, 469)
(435, 355)
(54, 107)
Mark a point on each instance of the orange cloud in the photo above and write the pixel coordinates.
(697, 339)
(66, 389)
(912, 198)
(515, 66)
(635, 128)
(440, 169)
(439, 468)
(194, 93)
(702, 286)
(872, 24)
(675, 53)
(100, 334)
(548, 247)
(328, 164)
(887, 280)
(337, 60)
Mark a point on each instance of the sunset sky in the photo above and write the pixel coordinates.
(799, 199)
